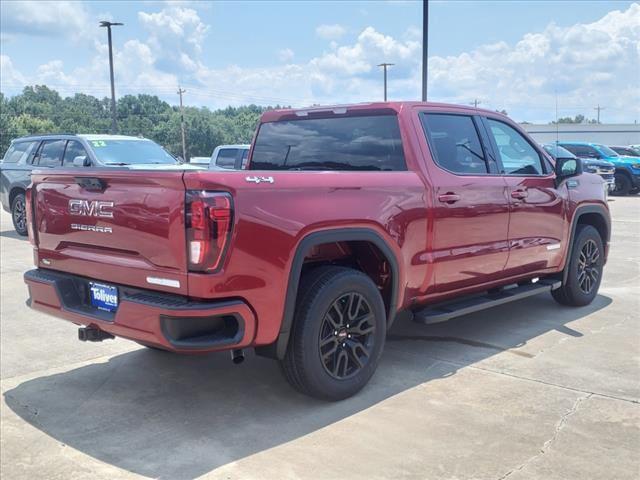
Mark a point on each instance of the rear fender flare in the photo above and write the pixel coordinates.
(303, 248)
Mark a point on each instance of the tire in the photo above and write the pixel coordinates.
(326, 356)
(19, 214)
(585, 269)
(623, 185)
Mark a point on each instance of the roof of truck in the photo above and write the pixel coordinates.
(340, 109)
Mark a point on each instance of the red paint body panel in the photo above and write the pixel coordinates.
(485, 239)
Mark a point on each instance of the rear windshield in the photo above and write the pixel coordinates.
(347, 143)
(127, 152)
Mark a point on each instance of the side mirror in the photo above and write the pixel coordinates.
(81, 161)
(567, 167)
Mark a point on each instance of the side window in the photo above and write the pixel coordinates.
(19, 152)
(51, 153)
(517, 154)
(582, 151)
(227, 157)
(455, 143)
(74, 149)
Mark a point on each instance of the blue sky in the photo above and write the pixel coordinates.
(512, 55)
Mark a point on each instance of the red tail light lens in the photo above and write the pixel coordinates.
(209, 223)
(29, 209)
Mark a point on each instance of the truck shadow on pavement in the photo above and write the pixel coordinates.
(168, 416)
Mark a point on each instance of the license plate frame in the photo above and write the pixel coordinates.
(103, 296)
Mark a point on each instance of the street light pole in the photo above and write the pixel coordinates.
(114, 124)
(384, 67)
(184, 141)
(425, 47)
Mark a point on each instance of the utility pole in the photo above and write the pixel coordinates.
(598, 108)
(384, 67)
(184, 142)
(425, 47)
(114, 124)
(475, 103)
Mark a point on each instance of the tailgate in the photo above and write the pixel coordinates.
(117, 226)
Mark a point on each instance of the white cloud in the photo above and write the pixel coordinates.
(286, 55)
(61, 18)
(8, 73)
(176, 35)
(330, 32)
(586, 64)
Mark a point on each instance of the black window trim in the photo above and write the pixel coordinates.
(548, 172)
(489, 156)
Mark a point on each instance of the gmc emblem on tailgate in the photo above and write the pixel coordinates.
(96, 208)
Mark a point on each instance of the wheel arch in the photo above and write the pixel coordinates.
(594, 215)
(314, 239)
(14, 192)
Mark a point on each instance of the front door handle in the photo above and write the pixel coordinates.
(449, 198)
(520, 194)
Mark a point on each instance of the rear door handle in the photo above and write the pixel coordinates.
(449, 198)
(519, 194)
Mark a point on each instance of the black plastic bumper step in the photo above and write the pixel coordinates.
(446, 311)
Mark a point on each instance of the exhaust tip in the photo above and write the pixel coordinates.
(237, 356)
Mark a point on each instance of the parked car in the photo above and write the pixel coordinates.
(600, 167)
(627, 168)
(62, 150)
(229, 157)
(347, 218)
(626, 151)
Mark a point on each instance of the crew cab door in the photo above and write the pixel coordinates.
(537, 224)
(471, 210)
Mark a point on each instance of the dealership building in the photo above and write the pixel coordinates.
(607, 134)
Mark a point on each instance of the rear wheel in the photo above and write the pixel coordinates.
(585, 269)
(623, 185)
(338, 333)
(19, 214)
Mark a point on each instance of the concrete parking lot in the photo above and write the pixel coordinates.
(527, 390)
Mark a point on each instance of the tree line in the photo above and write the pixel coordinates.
(39, 109)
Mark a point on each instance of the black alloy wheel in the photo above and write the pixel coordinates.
(347, 336)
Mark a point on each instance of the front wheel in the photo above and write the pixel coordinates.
(338, 333)
(585, 269)
(623, 185)
(19, 214)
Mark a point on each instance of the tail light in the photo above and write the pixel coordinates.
(209, 222)
(29, 211)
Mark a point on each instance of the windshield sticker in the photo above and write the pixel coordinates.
(99, 143)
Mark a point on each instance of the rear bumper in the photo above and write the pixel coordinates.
(172, 322)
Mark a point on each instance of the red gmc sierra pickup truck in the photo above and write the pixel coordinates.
(346, 218)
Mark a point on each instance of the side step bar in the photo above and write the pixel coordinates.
(456, 308)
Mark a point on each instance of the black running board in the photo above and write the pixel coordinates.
(447, 311)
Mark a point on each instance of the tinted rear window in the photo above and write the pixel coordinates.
(227, 157)
(347, 143)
